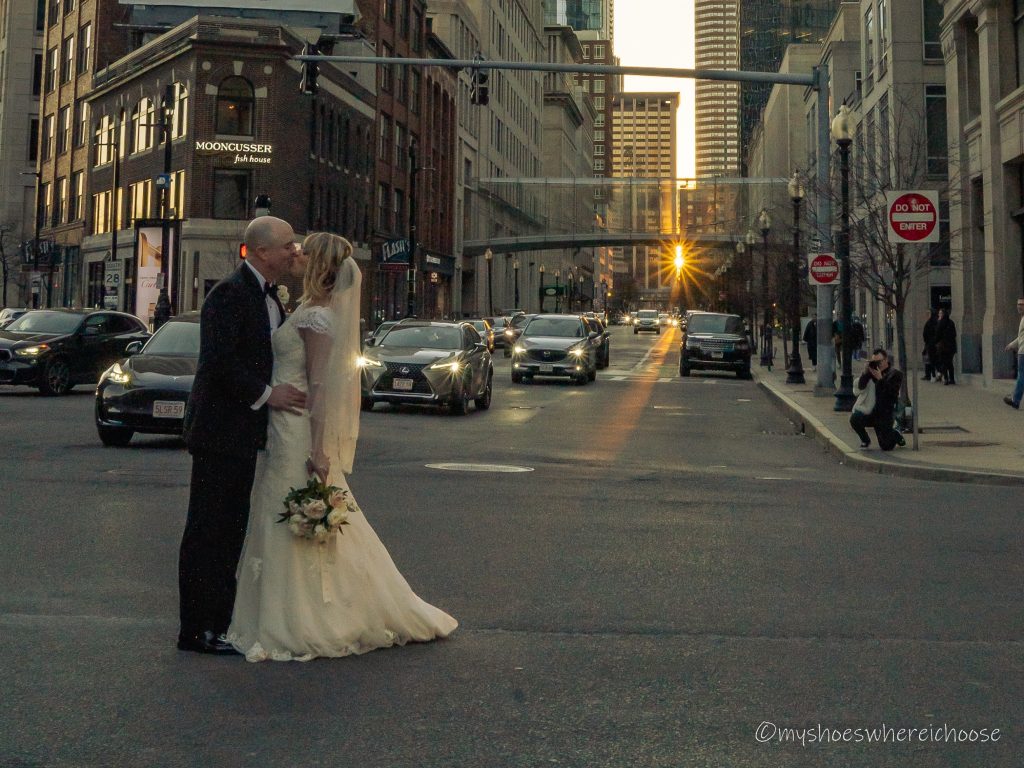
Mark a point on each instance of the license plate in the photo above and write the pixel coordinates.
(547, 369)
(404, 385)
(168, 409)
(717, 355)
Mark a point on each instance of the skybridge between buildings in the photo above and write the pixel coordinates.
(539, 214)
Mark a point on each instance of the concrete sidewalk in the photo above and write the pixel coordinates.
(967, 432)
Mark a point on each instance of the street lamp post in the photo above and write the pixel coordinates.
(410, 309)
(841, 133)
(558, 296)
(489, 258)
(795, 372)
(751, 239)
(767, 353)
(541, 294)
(39, 218)
(581, 294)
(162, 311)
(515, 280)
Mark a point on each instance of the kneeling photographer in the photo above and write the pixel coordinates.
(876, 404)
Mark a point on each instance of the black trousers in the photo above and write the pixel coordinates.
(888, 437)
(218, 513)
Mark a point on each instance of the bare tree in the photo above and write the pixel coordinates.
(5, 258)
(893, 153)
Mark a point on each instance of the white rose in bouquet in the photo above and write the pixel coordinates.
(294, 508)
(315, 509)
(295, 528)
(337, 498)
(282, 294)
(336, 517)
(320, 533)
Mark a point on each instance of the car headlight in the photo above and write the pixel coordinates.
(692, 344)
(510, 332)
(519, 349)
(577, 352)
(452, 365)
(35, 351)
(119, 375)
(368, 362)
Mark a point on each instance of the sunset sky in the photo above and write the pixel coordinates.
(656, 33)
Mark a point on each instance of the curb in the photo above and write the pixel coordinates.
(859, 461)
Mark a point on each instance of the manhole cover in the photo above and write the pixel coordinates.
(962, 444)
(506, 468)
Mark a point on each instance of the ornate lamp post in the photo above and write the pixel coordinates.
(580, 293)
(515, 279)
(751, 240)
(841, 133)
(541, 288)
(489, 257)
(795, 372)
(764, 222)
(558, 296)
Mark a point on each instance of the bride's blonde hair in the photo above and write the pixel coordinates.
(326, 252)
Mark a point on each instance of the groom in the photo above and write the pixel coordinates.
(225, 424)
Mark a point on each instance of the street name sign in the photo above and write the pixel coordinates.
(823, 269)
(913, 216)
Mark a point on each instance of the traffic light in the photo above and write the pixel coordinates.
(310, 70)
(478, 92)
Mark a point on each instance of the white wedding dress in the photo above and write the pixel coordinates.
(298, 599)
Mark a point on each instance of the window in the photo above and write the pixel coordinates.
(46, 195)
(33, 140)
(48, 135)
(53, 13)
(81, 124)
(385, 138)
(84, 48)
(386, 74)
(599, 102)
(51, 69)
(414, 90)
(935, 130)
(383, 220)
(231, 193)
(37, 74)
(883, 142)
(179, 121)
(75, 200)
(61, 207)
(399, 161)
(417, 30)
(103, 136)
(140, 197)
(69, 6)
(177, 196)
(599, 86)
(143, 125)
(63, 129)
(869, 41)
(67, 59)
(932, 27)
(400, 79)
(235, 100)
(101, 213)
(883, 27)
(598, 51)
(398, 208)
(389, 10)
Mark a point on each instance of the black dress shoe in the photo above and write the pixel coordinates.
(206, 642)
(1009, 401)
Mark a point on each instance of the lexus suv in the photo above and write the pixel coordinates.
(714, 342)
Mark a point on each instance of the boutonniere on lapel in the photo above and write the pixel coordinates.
(282, 294)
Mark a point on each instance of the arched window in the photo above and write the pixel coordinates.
(234, 107)
(179, 120)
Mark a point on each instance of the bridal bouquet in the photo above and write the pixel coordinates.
(317, 510)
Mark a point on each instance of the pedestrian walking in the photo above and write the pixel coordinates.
(887, 382)
(1017, 345)
(930, 353)
(945, 346)
(811, 340)
(857, 337)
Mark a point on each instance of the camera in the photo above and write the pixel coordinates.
(874, 364)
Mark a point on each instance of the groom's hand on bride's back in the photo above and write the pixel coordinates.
(285, 397)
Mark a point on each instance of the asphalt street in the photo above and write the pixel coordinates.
(677, 567)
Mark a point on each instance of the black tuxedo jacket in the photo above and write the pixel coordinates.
(234, 370)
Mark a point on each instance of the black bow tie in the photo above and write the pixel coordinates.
(270, 289)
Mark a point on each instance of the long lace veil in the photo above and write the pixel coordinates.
(340, 401)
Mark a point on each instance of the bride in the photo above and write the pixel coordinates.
(299, 599)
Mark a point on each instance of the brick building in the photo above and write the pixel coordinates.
(239, 128)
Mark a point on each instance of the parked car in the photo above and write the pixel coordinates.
(716, 342)
(147, 391)
(483, 327)
(556, 345)
(602, 344)
(379, 332)
(646, 320)
(57, 349)
(9, 314)
(429, 363)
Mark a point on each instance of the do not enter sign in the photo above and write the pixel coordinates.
(913, 216)
(823, 269)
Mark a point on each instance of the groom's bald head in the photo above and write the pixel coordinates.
(270, 246)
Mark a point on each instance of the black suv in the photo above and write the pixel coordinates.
(714, 342)
(55, 349)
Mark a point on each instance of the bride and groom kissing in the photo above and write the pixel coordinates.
(275, 401)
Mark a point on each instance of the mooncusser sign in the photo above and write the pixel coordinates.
(238, 152)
